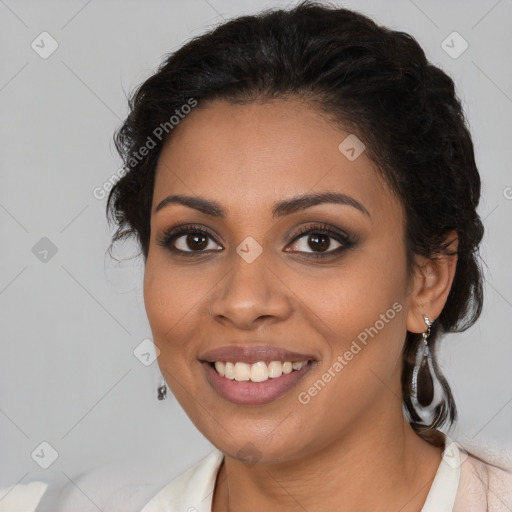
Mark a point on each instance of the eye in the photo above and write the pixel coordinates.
(319, 239)
(193, 240)
(187, 240)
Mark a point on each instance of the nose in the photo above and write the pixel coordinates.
(250, 294)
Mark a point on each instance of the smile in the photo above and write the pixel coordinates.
(257, 372)
(255, 384)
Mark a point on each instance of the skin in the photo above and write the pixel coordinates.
(353, 430)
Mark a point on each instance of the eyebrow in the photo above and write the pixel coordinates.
(280, 209)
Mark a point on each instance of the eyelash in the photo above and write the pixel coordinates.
(171, 234)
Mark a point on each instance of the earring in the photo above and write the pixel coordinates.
(162, 392)
(422, 382)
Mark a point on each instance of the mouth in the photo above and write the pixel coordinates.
(256, 372)
(258, 383)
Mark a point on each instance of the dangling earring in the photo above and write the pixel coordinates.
(422, 382)
(162, 392)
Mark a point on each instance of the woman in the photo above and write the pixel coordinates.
(303, 188)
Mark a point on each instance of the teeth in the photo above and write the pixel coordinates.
(242, 371)
(257, 372)
(275, 369)
(221, 368)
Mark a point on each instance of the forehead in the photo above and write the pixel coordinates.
(249, 156)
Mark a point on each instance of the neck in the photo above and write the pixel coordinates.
(380, 467)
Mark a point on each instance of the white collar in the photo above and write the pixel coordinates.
(441, 497)
(193, 489)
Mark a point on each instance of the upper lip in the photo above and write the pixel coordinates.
(253, 354)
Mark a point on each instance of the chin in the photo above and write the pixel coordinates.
(258, 449)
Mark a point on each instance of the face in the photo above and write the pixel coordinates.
(324, 280)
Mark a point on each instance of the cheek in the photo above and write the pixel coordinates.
(355, 295)
(360, 311)
(171, 303)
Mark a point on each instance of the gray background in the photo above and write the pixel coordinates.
(69, 326)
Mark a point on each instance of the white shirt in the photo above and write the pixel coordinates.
(193, 490)
(463, 483)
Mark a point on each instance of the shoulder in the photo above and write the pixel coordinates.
(485, 481)
(113, 487)
(134, 487)
(24, 497)
(192, 490)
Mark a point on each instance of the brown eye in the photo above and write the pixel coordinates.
(188, 240)
(317, 242)
(320, 241)
(193, 241)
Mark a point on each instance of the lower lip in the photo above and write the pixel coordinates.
(254, 393)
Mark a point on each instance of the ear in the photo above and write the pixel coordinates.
(433, 278)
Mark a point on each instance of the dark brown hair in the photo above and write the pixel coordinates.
(373, 81)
